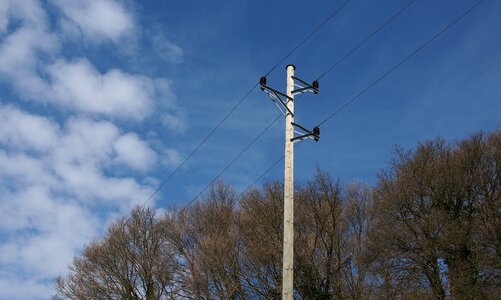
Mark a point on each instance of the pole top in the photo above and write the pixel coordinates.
(290, 65)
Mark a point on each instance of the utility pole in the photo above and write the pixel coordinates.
(286, 105)
(288, 247)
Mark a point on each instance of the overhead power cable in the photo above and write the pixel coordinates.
(232, 110)
(231, 163)
(402, 62)
(198, 146)
(236, 158)
(322, 24)
(330, 69)
(366, 39)
(264, 173)
(261, 176)
(372, 85)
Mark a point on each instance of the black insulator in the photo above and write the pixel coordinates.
(316, 131)
(315, 86)
(262, 81)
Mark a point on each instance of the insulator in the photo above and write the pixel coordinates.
(262, 81)
(315, 86)
(316, 130)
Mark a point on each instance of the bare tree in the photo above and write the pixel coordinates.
(357, 273)
(320, 241)
(260, 233)
(430, 228)
(207, 245)
(133, 260)
(408, 227)
(480, 158)
(437, 212)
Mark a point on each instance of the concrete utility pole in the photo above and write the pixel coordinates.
(288, 249)
(285, 103)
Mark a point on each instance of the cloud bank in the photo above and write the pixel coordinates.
(66, 165)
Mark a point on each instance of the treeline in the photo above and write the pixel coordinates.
(429, 229)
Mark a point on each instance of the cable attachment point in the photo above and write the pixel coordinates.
(276, 95)
(312, 88)
(315, 85)
(262, 82)
(305, 133)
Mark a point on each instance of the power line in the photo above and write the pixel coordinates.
(235, 159)
(330, 69)
(401, 62)
(264, 173)
(370, 86)
(231, 163)
(238, 104)
(198, 146)
(366, 39)
(332, 15)
(261, 176)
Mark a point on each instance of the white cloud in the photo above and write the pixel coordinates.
(62, 179)
(14, 288)
(97, 19)
(29, 36)
(172, 115)
(79, 85)
(27, 208)
(26, 60)
(45, 246)
(20, 49)
(47, 195)
(134, 152)
(90, 185)
(86, 142)
(4, 16)
(75, 160)
(18, 170)
(28, 11)
(167, 50)
(23, 130)
(72, 159)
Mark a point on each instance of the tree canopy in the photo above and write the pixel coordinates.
(430, 228)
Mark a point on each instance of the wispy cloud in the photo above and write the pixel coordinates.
(167, 50)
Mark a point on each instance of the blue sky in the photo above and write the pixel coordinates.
(100, 100)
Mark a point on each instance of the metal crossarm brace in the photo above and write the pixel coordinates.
(272, 98)
(315, 133)
(310, 87)
(277, 95)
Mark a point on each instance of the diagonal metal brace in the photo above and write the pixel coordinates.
(273, 99)
(279, 96)
(315, 133)
(313, 87)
